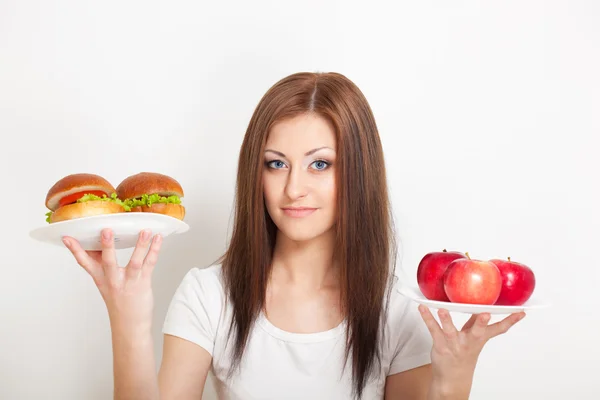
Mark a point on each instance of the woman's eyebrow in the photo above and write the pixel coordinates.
(308, 153)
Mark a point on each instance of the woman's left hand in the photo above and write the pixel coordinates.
(455, 352)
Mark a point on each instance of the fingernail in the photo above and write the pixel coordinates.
(157, 238)
(66, 242)
(106, 234)
(145, 234)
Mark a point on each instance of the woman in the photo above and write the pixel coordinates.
(303, 305)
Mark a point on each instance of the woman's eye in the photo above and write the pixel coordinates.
(320, 165)
(276, 164)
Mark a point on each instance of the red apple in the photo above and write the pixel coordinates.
(518, 282)
(430, 273)
(472, 281)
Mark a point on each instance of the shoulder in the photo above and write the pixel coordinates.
(406, 341)
(196, 309)
(398, 305)
(208, 278)
(203, 287)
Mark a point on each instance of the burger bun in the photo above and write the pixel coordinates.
(85, 209)
(135, 186)
(170, 209)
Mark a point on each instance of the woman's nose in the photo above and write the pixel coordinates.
(296, 185)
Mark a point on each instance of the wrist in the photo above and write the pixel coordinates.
(130, 341)
(457, 387)
(445, 391)
(130, 328)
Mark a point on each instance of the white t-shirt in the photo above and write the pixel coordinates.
(284, 365)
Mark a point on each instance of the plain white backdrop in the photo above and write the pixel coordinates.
(488, 111)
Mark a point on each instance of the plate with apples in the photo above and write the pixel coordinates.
(452, 280)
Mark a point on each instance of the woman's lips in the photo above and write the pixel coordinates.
(298, 212)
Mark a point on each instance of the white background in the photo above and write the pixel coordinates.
(489, 114)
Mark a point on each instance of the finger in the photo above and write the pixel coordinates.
(95, 255)
(469, 324)
(447, 324)
(86, 260)
(431, 323)
(503, 326)
(109, 258)
(480, 325)
(152, 256)
(134, 267)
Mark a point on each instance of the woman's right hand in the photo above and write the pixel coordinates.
(127, 291)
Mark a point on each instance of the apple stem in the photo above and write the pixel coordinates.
(467, 254)
(508, 258)
(445, 251)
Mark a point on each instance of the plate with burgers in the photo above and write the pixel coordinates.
(83, 204)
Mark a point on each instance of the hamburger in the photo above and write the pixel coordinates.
(152, 192)
(82, 195)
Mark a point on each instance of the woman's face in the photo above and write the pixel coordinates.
(299, 176)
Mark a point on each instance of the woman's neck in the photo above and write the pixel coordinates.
(308, 264)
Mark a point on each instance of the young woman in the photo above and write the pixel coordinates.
(303, 305)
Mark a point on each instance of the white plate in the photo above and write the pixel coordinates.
(415, 294)
(126, 228)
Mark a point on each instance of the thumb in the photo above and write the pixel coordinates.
(89, 261)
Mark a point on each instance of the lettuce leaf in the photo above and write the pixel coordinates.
(113, 198)
(144, 200)
(91, 197)
(148, 200)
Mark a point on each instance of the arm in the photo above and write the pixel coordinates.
(127, 293)
(409, 385)
(133, 363)
(455, 352)
(182, 374)
(183, 370)
(418, 384)
(454, 358)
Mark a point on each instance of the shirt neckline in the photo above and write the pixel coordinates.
(315, 337)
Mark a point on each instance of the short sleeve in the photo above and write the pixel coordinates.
(409, 341)
(195, 310)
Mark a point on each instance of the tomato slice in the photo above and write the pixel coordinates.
(72, 198)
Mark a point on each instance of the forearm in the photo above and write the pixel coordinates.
(134, 369)
(457, 389)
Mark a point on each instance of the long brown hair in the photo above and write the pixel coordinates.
(365, 247)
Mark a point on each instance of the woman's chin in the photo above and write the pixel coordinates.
(303, 235)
